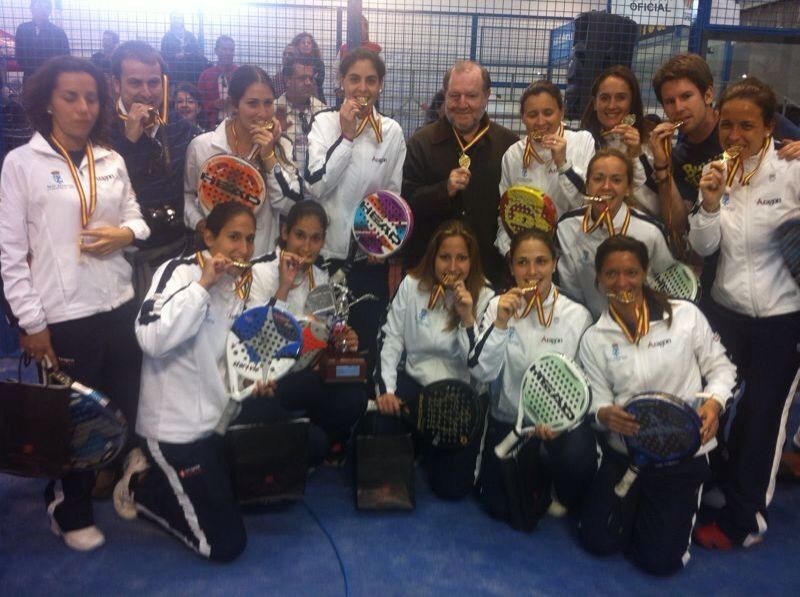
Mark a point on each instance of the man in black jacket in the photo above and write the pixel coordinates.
(39, 39)
(154, 152)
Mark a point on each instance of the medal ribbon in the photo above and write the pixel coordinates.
(588, 226)
(536, 300)
(478, 136)
(160, 118)
(530, 151)
(438, 292)
(376, 125)
(242, 285)
(642, 322)
(737, 166)
(87, 209)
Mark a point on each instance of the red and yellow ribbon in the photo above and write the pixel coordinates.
(376, 125)
(87, 206)
(242, 285)
(642, 322)
(536, 300)
(530, 152)
(465, 147)
(604, 218)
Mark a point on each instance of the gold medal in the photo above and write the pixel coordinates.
(464, 161)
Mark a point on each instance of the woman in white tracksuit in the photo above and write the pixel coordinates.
(517, 327)
(615, 94)
(551, 160)
(252, 96)
(645, 342)
(352, 152)
(180, 477)
(285, 278)
(433, 321)
(580, 232)
(755, 303)
(67, 209)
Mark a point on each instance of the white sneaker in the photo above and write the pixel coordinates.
(85, 539)
(556, 508)
(124, 504)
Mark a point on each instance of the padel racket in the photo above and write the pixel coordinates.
(788, 236)
(669, 432)
(554, 393)
(526, 208)
(448, 414)
(262, 345)
(315, 336)
(382, 223)
(678, 281)
(226, 178)
(98, 429)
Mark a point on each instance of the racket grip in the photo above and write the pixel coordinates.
(226, 418)
(502, 449)
(622, 488)
(372, 406)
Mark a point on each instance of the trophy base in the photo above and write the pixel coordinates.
(343, 369)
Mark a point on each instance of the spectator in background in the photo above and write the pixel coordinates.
(186, 105)
(102, 59)
(297, 106)
(289, 53)
(182, 52)
(305, 46)
(214, 82)
(39, 39)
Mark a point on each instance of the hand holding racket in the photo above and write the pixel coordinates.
(448, 413)
(668, 433)
(554, 396)
(261, 347)
(98, 429)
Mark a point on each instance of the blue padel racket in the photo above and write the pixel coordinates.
(263, 344)
(382, 223)
(554, 393)
(98, 429)
(678, 281)
(788, 236)
(669, 433)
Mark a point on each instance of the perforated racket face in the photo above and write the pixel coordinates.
(315, 336)
(554, 392)
(788, 236)
(526, 208)
(98, 431)
(669, 430)
(259, 337)
(382, 223)
(226, 178)
(448, 413)
(678, 281)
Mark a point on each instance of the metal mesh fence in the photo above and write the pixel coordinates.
(517, 40)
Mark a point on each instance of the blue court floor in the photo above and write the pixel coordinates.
(442, 548)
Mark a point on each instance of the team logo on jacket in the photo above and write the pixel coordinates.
(726, 199)
(57, 178)
(615, 356)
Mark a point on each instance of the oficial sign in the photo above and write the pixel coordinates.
(663, 12)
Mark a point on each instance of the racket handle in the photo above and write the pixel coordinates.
(622, 488)
(502, 449)
(226, 418)
(372, 406)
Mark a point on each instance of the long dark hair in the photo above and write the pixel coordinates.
(242, 78)
(425, 270)
(315, 53)
(627, 244)
(222, 213)
(38, 93)
(300, 210)
(589, 120)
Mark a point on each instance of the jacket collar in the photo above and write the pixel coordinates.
(40, 145)
(444, 130)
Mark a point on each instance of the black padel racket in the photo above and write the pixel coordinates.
(669, 433)
(788, 235)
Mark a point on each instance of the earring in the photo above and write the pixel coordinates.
(49, 110)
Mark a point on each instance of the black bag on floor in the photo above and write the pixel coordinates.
(527, 490)
(384, 466)
(269, 462)
(34, 429)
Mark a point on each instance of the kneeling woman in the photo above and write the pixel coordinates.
(517, 327)
(285, 278)
(432, 319)
(644, 342)
(180, 478)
